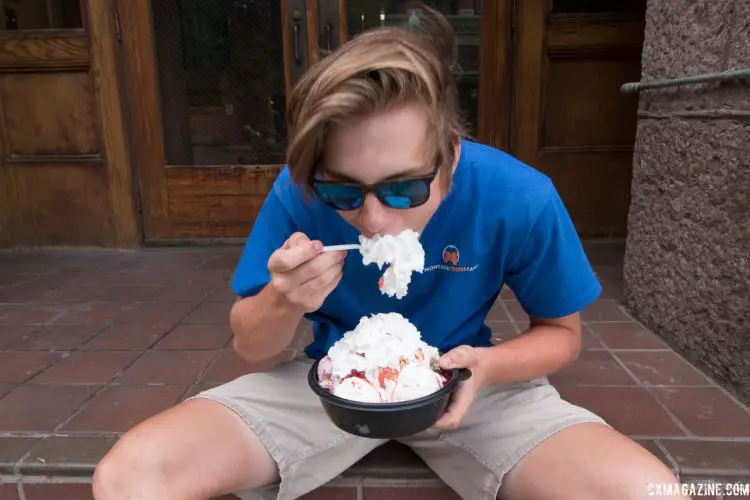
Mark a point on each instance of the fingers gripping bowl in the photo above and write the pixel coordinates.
(382, 381)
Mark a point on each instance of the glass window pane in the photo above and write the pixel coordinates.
(221, 78)
(40, 14)
(463, 15)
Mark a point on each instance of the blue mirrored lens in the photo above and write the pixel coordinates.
(404, 194)
(340, 195)
(397, 201)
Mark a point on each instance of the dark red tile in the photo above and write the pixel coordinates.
(131, 293)
(604, 310)
(589, 339)
(303, 335)
(609, 272)
(55, 338)
(719, 458)
(30, 314)
(630, 410)
(8, 491)
(163, 260)
(604, 253)
(167, 367)
(497, 313)
(127, 337)
(156, 314)
(54, 280)
(72, 293)
(612, 290)
(517, 313)
(11, 333)
(224, 262)
(197, 389)
(191, 293)
(654, 449)
(706, 411)
(58, 491)
(87, 367)
(626, 335)
(230, 365)
(593, 368)
(212, 279)
(391, 461)
(153, 277)
(18, 366)
(23, 293)
(13, 449)
(5, 388)
(210, 312)
(222, 294)
(331, 493)
(196, 336)
(41, 408)
(503, 329)
(408, 493)
(67, 456)
(98, 314)
(9, 278)
(119, 408)
(661, 368)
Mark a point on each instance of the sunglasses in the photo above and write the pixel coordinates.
(399, 194)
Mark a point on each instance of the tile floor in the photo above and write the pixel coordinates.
(93, 342)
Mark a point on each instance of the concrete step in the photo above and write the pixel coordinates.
(392, 472)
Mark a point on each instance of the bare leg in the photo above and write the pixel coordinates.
(586, 461)
(193, 451)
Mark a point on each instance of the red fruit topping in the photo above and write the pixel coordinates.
(386, 374)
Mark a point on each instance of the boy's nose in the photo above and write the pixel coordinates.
(373, 215)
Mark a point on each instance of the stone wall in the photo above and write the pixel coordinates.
(687, 263)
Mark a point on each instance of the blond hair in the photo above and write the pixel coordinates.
(381, 69)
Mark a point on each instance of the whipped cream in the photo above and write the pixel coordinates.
(403, 252)
(384, 359)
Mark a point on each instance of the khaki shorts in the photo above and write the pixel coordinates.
(503, 425)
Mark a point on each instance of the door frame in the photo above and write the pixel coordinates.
(155, 180)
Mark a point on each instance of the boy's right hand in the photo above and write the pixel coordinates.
(302, 275)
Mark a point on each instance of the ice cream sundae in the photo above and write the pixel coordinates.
(403, 252)
(383, 360)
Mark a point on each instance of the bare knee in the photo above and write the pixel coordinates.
(129, 471)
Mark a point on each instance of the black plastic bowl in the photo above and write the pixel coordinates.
(386, 420)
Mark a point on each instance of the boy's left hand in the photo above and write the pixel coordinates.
(463, 356)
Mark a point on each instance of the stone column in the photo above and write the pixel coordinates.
(687, 263)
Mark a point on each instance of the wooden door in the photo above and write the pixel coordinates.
(208, 82)
(65, 178)
(569, 118)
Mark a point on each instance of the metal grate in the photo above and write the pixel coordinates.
(221, 79)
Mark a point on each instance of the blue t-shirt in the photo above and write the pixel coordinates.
(503, 222)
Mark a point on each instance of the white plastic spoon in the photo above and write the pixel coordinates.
(335, 248)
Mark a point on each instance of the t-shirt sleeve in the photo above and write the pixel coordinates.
(272, 227)
(551, 276)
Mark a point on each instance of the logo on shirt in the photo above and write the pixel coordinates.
(450, 255)
(449, 261)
